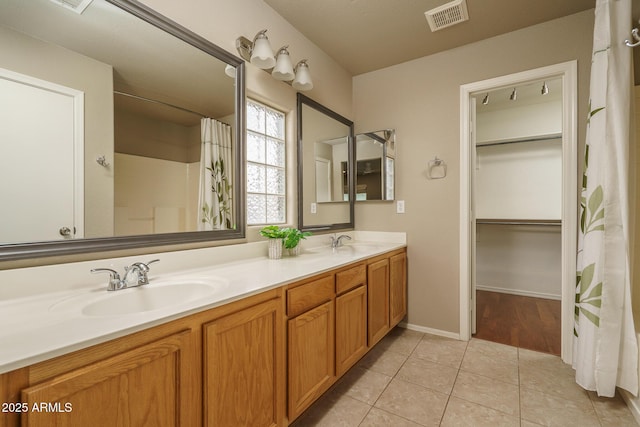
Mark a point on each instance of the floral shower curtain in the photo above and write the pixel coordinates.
(605, 352)
(215, 208)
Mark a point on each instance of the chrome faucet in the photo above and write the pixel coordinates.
(336, 242)
(140, 269)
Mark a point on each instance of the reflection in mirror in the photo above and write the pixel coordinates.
(331, 170)
(325, 156)
(141, 124)
(375, 162)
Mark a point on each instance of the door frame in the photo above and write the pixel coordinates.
(568, 72)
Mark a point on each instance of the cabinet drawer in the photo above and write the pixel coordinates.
(349, 279)
(310, 295)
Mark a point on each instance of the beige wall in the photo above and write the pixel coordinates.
(52, 63)
(159, 139)
(420, 99)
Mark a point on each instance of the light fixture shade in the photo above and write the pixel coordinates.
(262, 54)
(230, 70)
(303, 77)
(284, 68)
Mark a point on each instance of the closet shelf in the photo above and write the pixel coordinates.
(520, 140)
(551, 222)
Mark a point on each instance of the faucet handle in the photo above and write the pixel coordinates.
(151, 262)
(114, 278)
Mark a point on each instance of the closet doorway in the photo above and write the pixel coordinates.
(518, 200)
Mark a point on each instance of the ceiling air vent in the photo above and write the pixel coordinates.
(77, 6)
(447, 15)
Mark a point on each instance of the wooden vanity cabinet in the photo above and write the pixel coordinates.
(224, 367)
(243, 367)
(311, 342)
(378, 300)
(351, 317)
(397, 287)
(142, 386)
(247, 363)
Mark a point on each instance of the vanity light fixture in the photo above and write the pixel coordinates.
(485, 100)
(259, 53)
(545, 88)
(514, 95)
(230, 71)
(303, 77)
(283, 69)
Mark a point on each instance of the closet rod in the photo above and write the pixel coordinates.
(517, 141)
(518, 222)
(154, 101)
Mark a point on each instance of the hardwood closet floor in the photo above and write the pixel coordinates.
(525, 322)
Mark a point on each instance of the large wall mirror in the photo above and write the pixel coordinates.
(118, 129)
(325, 164)
(375, 165)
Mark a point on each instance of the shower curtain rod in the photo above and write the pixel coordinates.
(159, 102)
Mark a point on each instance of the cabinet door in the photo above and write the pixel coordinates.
(351, 328)
(243, 365)
(141, 387)
(378, 299)
(398, 287)
(311, 357)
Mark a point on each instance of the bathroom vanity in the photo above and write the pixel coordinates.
(256, 356)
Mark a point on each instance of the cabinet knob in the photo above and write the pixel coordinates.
(65, 231)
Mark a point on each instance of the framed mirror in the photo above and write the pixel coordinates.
(119, 129)
(375, 165)
(325, 164)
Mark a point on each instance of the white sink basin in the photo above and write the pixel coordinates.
(141, 299)
(147, 298)
(348, 249)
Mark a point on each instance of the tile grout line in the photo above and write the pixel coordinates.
(444, 411)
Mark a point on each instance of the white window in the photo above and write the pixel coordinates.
(266, 183)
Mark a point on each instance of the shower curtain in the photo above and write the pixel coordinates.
(215, 208)
(605, 352)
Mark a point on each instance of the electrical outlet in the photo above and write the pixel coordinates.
(314, 208)
(400, 206)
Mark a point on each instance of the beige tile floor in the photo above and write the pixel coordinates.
(416, 379)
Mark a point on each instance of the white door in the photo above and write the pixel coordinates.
(323, 180)
(41, 160)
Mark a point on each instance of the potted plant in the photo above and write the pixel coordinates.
(292, 238)
(276, 236)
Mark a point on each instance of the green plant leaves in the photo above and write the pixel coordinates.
(221, 189)
(588, 297)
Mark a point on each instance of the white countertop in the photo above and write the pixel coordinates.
(41, 308)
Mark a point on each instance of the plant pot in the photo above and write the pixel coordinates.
(275, 248)
(294, 251)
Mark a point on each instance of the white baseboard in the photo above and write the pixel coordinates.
(431, 331)
(520, 292)
(633, 403)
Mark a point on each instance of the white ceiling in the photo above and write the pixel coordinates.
(366, 35)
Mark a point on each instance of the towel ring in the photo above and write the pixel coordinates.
(436, 168)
